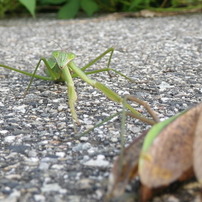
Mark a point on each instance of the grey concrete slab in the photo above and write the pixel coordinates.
(40, 159)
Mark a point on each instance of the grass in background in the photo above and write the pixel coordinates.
(67, 9)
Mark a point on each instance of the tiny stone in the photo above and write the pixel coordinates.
(52, 187)
(92, 150)
(87, 122)
(9, 139)
(32, 161)
(20, 108)
(84, 138)
(85, 183)
(114, 139)
(164, 85)
(60, 154)
(86, 146)
(82, 146)
(43, 166)
(13, 197)
(13, 176)
(164, 99)
(40, 198)
(99, 194)
(88, 126)
(172, 199)
(99, 162)
(85, 158)
(3, 132)
(58, 167)
(62, 107)
(74, 198)
(32, 153)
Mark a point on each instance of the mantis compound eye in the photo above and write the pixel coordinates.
(71, 56)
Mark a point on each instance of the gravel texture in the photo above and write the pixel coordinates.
(40, 159)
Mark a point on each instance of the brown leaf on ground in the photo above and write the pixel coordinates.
(125, 168)
(171, 153)
(171, 157)
(198, 150)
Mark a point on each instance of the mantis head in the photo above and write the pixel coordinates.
(63, 58)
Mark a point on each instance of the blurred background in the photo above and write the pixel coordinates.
(67, 9)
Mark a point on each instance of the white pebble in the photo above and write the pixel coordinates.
(9, 139)
(99, 162)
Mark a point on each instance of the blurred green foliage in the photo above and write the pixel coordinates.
(67, 9)
(8, 6)
(30, 5)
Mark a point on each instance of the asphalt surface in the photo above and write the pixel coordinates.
(40, 160)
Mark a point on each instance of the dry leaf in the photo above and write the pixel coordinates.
(198, 150)
(171, 153)
(171, 156)
(125, 168)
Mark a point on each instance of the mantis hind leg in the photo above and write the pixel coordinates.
(154, 120)
(123, 114)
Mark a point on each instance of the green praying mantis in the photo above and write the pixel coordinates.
(169, 151)
(61, 67)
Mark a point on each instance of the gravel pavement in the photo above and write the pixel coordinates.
(40, 160)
